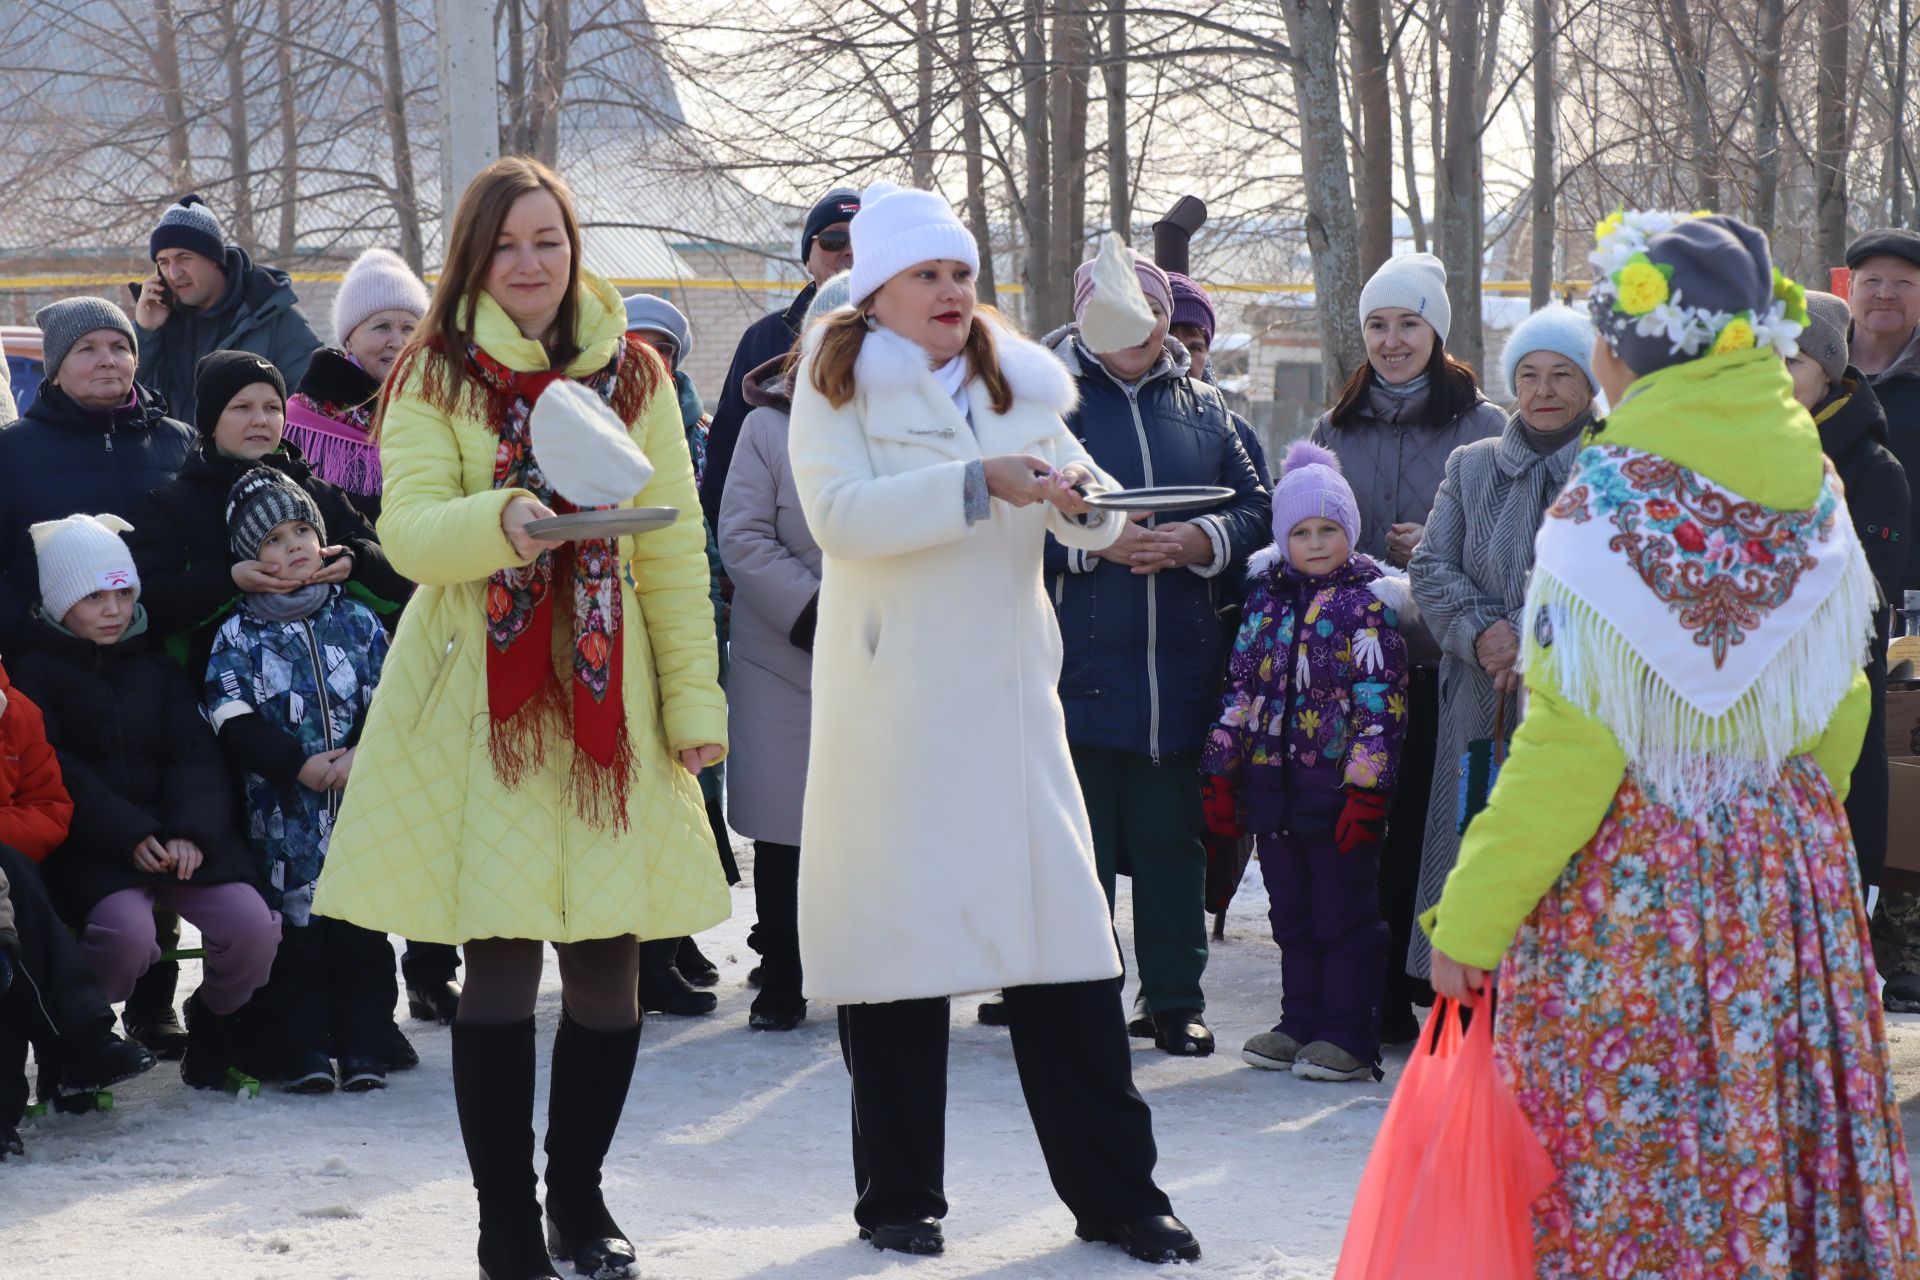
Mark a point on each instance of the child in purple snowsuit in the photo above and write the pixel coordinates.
(1305, 755)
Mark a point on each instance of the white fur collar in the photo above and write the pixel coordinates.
(889, 362)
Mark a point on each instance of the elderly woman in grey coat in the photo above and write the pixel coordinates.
(1470, 570)
(775, 565)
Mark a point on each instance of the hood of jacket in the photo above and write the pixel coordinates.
(890, 363)
(55, 408)
(252, 288)
(208, 467)
(334, 377)
(768, 385)
(600, 327)
(47, 635)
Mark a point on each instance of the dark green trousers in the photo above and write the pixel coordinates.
(1152, 813)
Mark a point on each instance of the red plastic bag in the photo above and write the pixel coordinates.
(1472, 1207)
(1376, 1228)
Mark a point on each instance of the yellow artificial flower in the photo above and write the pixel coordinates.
(1737, 336)
(1608, 225)
(1643, 287)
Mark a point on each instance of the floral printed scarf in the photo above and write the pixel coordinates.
(525, 701)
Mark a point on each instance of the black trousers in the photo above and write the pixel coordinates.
(1407, 835)
(53, 995)
(1076, 1070)
(332, 991)
(776, 901)
(427, 964)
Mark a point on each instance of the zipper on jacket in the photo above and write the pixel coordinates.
(1153, 618)
(326, 703)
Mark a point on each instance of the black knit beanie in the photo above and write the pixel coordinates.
(218, 378)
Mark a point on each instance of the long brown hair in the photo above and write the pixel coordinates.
(476, 225)
(1452, 388)
(846, 332)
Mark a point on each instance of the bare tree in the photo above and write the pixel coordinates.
(233, 55)
(1546, 130)
(393, 110)
(1461, 208)
(1830, 157)
(1766, 128)
(1119, 178)
(1374, 180)
(1332, 237)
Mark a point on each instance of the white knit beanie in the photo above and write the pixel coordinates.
(1415, 282)
(379, 280)
(79, 556)
(900, 226)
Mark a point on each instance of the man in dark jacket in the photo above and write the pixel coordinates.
(1853, 433)
(1884, 300)
(1143, 645)
(826, 249)
(207, 295)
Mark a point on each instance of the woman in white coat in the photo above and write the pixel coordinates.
(948, 849)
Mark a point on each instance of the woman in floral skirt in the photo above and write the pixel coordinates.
(1664, 877)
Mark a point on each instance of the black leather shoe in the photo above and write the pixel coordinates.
(159, 1032)
(103, 1062)
(1182, 1032)
(398, 1051)
(694, 965)
(1163, 1238)
(918, 1235)
(436, 1001)
(993, 1011)
(602, 1258)
(775, 1015)
(1140, 1022)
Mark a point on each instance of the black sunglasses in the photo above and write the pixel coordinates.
(833, 241)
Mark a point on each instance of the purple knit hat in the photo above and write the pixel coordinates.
(1153, 283)
(1312, 487)
(1191, 305)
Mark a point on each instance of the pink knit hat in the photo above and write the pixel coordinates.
(1312, 487)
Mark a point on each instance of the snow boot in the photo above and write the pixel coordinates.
(918, 1236)
(10, 1144)
(362, 1073)
(102, 1061)
(1272, 1050)
(1182, 1033)
(1324, 1060)
(663, 989)
(308, 1073)
(992, 1011)
(208, 1061)
(493, 1092)
(435, 1001)
(591, 1073)
(158, 1029)
(694, 965)
(1901, 994)
(397, 1051)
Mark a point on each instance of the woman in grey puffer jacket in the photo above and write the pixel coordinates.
(1397, 421)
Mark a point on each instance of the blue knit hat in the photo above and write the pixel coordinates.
(188, 225)
(1556, 328)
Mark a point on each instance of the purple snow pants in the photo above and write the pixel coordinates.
(1324, 906)
(240, 933)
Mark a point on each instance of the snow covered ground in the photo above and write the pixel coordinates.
(731, 1164)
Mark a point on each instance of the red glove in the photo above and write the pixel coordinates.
(1363, 821)
(1222, 810)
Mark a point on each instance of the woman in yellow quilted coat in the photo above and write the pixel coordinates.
(529, 759)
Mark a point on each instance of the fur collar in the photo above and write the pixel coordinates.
(889, 362)
(1390, 587)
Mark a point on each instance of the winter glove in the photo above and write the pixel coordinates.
(1362, 821)
(801, 637)
(1221, 807)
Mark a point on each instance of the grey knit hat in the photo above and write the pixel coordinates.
(65, 322)
(655, 314)
(1678, 290)
(261, 501)
(1824, 340)
(188, 225)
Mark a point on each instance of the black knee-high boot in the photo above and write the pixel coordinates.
(493, 1089)
(591, 1073)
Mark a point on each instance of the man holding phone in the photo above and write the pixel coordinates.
(207, 295)
(826, 249)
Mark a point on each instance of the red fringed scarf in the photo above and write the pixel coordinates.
(525, 700)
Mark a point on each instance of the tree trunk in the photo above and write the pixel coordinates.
(173, 101)
(1374, 180)
(972, 140)
(516, 139)
(1898, 145)
(289, 130)
(1069, 101)
(1119, 171)
(1766, 125)
(1036, 213)
(1830, 134)
(1332, 236)
(1684, 53)
(1415, 214)
(1546, 134)
(393, 109)
(551, 52)
(1461, 215)
(922, 143)
(239, 139)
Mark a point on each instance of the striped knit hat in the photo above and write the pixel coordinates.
(188, 225)
(261, 501)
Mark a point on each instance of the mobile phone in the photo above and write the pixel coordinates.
(135, 287)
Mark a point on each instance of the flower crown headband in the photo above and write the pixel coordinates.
(1631, 291)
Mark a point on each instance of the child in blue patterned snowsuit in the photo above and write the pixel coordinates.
(288, 685)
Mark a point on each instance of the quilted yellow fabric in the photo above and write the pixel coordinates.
(430, 845)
